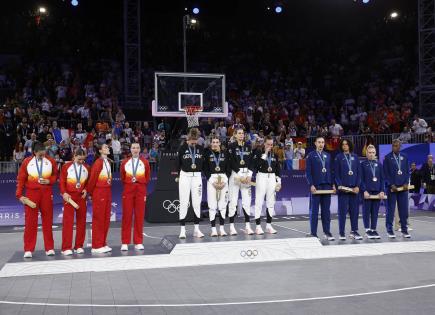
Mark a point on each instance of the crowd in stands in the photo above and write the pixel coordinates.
(333, 92)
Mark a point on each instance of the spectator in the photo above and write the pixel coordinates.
(299, 152)
(116, 148)
(419, 125)
(415, 178)
(18, 154)
(147, 134)
(335, 129)
(405, 135)
(120, 117)
(154, 153)
(29, 145)
(428, 175)
(288, 157)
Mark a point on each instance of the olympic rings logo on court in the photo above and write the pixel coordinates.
(250, 253)
(171, 206)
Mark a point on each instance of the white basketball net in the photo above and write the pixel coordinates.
(192, 115)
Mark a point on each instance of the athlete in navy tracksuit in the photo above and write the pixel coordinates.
(396, 171)
(319, 176)
(347, 173)
(372, 183)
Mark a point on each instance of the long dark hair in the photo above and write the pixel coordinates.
(349, 143)
(98, 154)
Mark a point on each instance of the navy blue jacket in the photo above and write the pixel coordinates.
(314, 169)
(341, 170)
(367, 183)
(391, 169)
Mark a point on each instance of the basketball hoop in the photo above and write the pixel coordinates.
(192, 115)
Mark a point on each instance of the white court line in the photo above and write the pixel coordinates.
(287, 228)
(146, 235)
(319, 298)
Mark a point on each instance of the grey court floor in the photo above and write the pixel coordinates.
(387, 284)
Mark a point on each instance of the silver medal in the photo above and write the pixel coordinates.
(269, 169)
(133, 179)
(375, 179)
(350, 173)
(109, 181)
(323, 170)
(399, 172)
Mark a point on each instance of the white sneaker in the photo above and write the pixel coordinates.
(50, 252)
(248, 229)
(139, 247)
(101, 250)
(67, 252)
(109, 249)
(80, 251)
(197, 233)
(233, 230)
(27, 255)
(259, 230)
(213, 232)
(271, 230)
(182, 234)
(124, 247)
(222, 231)
(410, 229)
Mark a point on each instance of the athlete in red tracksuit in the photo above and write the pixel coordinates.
(99, 186)
(37, 174)
(135, 175)
(73, 180)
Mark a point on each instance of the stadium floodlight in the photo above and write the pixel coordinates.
(193, 21)
(195, 10)
(366, 1)
(74, 3)
(42, 10)
(278, 9)
(394, 15)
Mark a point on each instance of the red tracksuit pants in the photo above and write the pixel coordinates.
(68, 222)
(44, 202)
(101, 206)
(133, 202)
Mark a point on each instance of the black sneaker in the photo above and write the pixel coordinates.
(355, 235)
(329, 237)
(406, 234)
(370, 235)
(391, 234)
(376, 235)
(312, 235)
(342, 237)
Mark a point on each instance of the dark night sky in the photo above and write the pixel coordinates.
(316, 21)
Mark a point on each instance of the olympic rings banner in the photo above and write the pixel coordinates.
(291, 200)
